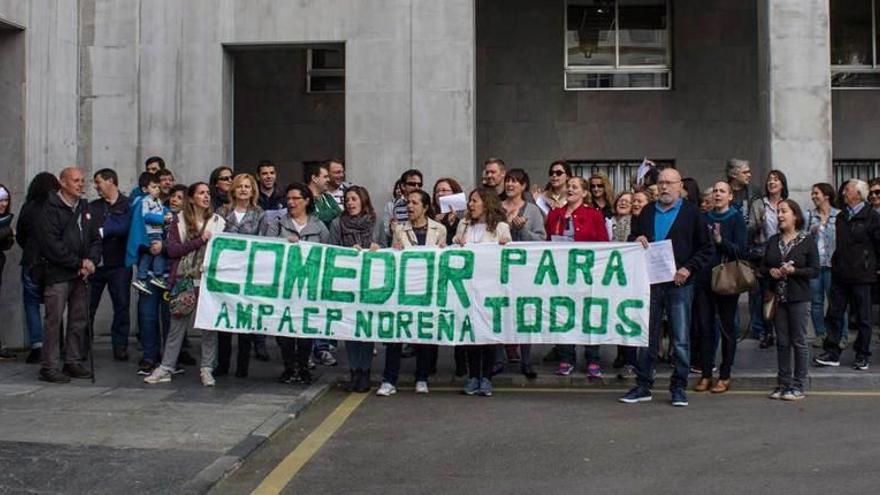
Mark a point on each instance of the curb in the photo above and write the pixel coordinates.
(233, 458)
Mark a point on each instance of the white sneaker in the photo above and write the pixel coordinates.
(421, 387)
(207, 377)
(386, 389)
(158, 375)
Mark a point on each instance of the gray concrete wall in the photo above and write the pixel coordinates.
(157, 78)
(711, 114)
(798, 91)
(42, 113)
(274, 117)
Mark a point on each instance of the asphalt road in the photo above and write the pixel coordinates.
(574, 442)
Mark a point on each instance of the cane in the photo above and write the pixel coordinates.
(90, 329)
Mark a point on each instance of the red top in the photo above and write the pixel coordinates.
(588, 222)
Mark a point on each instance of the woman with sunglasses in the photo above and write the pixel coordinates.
(553, 195)
(299, 224)
(577, 221)
(221, 184)
(602, 194)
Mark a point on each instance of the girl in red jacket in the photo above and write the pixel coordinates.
(577, 221)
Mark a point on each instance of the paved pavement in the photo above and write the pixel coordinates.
(580, 442)
(182, 438)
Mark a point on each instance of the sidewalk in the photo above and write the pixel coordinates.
(121, 434)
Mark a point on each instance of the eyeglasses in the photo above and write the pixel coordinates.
(225, 178)
(557, 173)
(414, 184)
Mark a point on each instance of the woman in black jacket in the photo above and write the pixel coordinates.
(7, 239)
(42, 185)
(790, 261)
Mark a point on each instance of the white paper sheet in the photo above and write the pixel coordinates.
(453, 202)
(660, 261)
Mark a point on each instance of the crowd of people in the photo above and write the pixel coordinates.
(154, 240)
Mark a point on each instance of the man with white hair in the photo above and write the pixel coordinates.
(672, 218)
(853, 271)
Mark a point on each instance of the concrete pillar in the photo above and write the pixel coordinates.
(796, 81)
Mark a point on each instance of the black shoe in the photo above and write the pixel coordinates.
(186, 359)
(35, 356)
(261, 354)
(76, 370)
(53, 376)
(861, 364)
(363, 383)
(287, 377)
(7, 354)
(353, 381)
(826, 360)
(120, 354)
(221, 371)
(305, 377)
(767, 341)
(145, 367)
(528, 372)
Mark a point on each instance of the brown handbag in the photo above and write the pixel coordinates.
(733, 277)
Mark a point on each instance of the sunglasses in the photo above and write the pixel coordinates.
(225, 178)
(556, 173)
(875, 192)
(414, 184)
(597, 186)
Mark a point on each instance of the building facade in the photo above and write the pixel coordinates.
(437, 85)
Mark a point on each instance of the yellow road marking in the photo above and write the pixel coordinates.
(291, 465)
(826, 393)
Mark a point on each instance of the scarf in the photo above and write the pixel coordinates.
(357, 230)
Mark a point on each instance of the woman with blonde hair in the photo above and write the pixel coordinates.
(242, 216)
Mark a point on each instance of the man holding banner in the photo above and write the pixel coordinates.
(679, 221)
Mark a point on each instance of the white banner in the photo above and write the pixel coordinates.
(521, 293)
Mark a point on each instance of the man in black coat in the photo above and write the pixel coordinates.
(673, 218)
(853, 272)
(111, 217)
(71, 246)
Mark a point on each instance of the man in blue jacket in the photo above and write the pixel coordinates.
(111, 216)
(671, 217)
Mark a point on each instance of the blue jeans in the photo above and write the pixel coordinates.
(32, 296)
(149, 307)
(677, 302)
(820, 288)
(117, 280)
(149, 263)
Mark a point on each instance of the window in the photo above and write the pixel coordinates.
(617, 44)
(854, 44)
(845, 170)
(325, 71)
(622, 173)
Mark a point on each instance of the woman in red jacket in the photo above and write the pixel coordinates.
(577, 221)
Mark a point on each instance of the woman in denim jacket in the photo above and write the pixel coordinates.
(821, 225)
